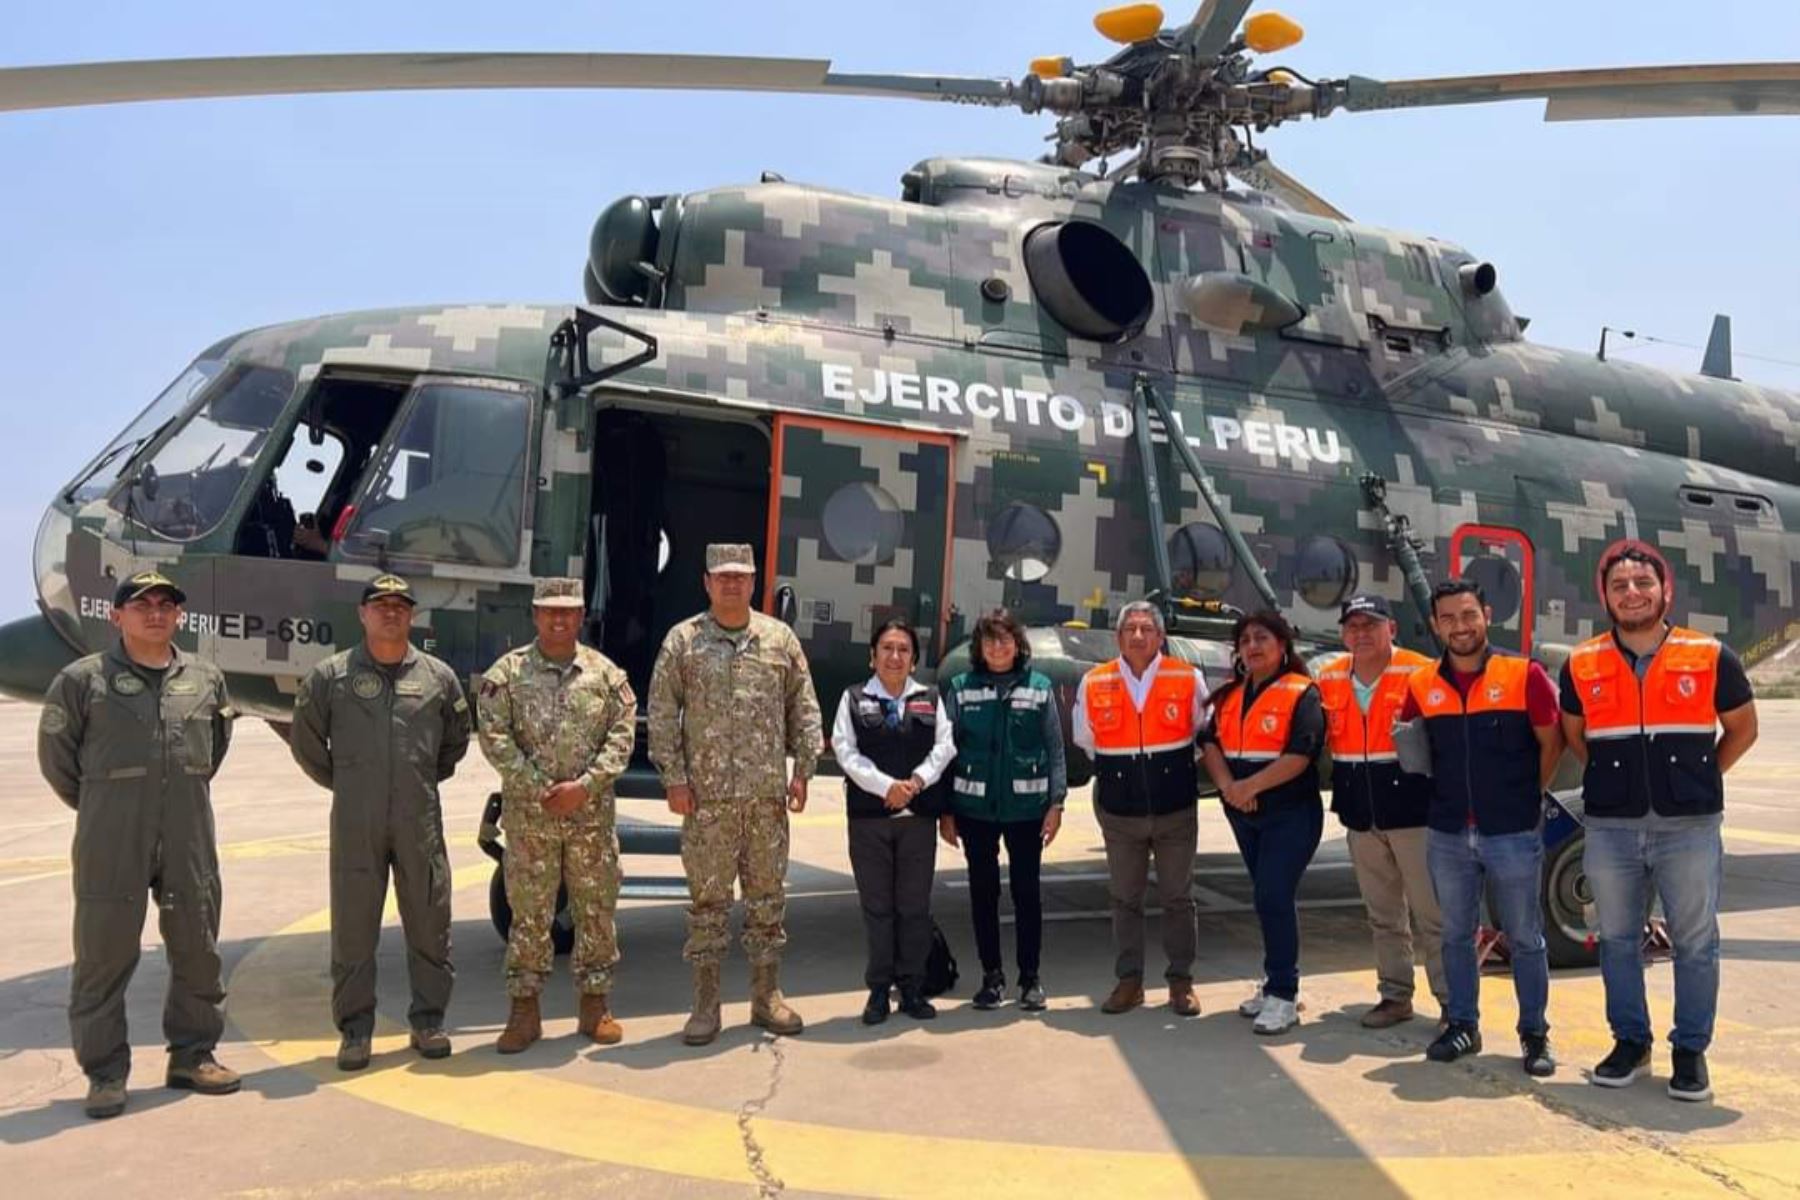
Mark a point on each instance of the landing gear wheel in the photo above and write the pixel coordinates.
(562, 926)
(1567, 901)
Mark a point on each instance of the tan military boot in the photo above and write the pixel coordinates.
(207, 1077)
(768, 1008)
(596, 1020)
(703, 1026)
(523, 1026)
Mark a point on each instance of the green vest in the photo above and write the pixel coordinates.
(1002, 767)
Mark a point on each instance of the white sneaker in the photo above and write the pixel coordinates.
(1252, 1006)
(1276, 1016)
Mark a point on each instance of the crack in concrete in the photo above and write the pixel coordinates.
(1642, 1139)
(768, 1184)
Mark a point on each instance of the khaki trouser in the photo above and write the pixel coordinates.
(1395, 884)
(1132, 844)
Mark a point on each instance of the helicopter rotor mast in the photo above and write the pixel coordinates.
(1178, 103)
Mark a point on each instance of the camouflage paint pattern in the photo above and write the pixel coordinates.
(917, 318)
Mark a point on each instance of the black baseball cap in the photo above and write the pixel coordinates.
(388, 585)
(1374, 606)
(145, 582)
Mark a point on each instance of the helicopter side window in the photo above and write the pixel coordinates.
(187, 486)
(450, 485)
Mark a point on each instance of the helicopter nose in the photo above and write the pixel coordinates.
(31, 653)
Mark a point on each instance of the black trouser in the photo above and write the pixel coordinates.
(893, 859)
(1024, 852)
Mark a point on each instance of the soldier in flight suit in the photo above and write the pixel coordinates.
(557, 720)
(730, 701)
(382, 725)
(130, 739)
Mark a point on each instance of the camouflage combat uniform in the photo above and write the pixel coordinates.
(544, 722)
(382, 737)
(134, 755)
(728, 707)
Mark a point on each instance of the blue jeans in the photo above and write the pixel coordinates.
(1684, 866)
(1276, 844)
(1512, 865)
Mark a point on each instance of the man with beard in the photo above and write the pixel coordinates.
(1641, 707)
(1492, 722)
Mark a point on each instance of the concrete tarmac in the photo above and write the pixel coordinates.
(1066, 1102)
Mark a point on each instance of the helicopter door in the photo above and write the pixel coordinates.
(1500, 560)
(859, 533)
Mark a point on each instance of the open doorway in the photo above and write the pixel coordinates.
(665, 484)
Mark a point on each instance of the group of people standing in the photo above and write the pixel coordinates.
(1438, 773)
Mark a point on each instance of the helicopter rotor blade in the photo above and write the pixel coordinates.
(1265, 176)
(78, 84)
(1213, 25)
(1699, 90)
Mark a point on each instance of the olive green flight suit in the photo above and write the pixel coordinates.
(135, 757)
(382, 738)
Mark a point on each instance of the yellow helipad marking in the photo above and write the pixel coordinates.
(281, 986)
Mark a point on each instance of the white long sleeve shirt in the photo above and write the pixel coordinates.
(865, 774)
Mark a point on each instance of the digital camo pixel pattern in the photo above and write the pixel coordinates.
(729, 708)
(792, 299)
(544, 723)
(724, 843)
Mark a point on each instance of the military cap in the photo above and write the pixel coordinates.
(557, 593)
(145, 582)
(388, 585)
(728, 557)
(1365, 605)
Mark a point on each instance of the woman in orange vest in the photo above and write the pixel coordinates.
(1262, 751)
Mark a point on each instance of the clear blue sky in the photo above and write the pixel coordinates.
(133, 236)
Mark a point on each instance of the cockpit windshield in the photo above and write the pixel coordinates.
(98, 477)
(189, 482)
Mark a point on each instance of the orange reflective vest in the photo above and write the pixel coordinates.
(1368, 789)
(1651, 741)
(1143, 758)
(1262, 736)
(1484, 754)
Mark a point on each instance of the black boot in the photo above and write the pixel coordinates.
(876, 1010)
(914, 1004)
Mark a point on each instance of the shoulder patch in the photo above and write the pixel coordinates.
(461, 705)
(626, 695)
(53, 720)
(303, 697)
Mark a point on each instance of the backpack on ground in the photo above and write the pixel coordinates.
(940, 964)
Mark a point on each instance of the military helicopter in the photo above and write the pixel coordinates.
(1058, 385)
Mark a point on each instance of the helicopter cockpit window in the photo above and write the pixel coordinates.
(450, 485)
(1023, 541)
(1200, 561)
(97, 478)
(187, 486)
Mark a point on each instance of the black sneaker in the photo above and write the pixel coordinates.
(1031, 994)
(1535, 1048)
(914, 1004)
(1689, 1080)
(1456, 1042)
(993, 990)
(876, 1010)
(1628, 1062)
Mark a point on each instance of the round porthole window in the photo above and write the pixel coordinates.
(862, 524)
(1499, 582)
(1024, 541)
(1324, 571)
(1200, 561)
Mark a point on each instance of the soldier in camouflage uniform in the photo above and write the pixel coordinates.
(382, 725)
(557, 720)
(731, 700)
(130, 739)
